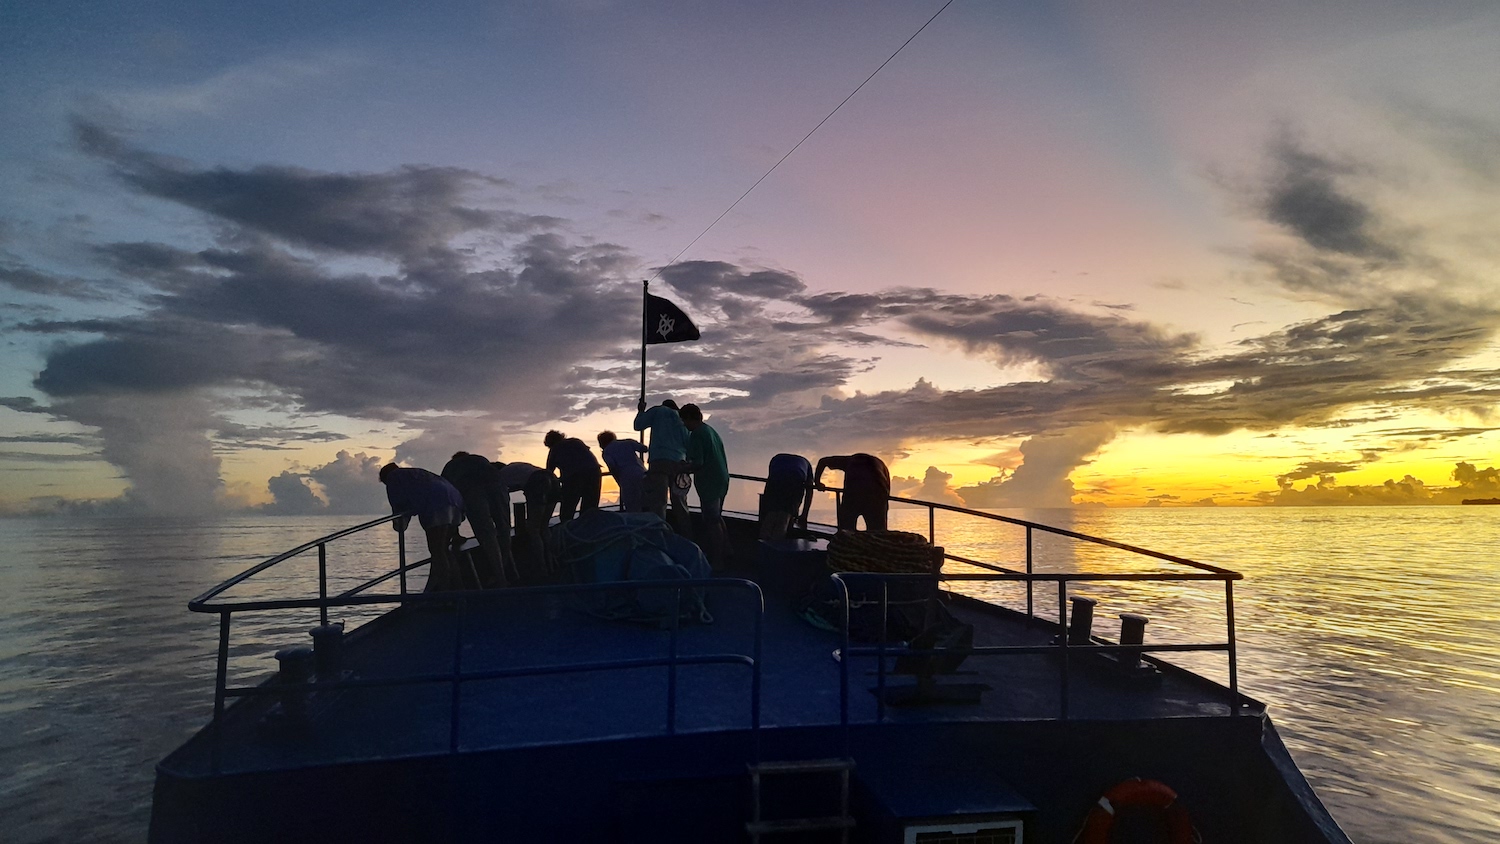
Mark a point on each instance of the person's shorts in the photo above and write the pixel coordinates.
(441, 517)
(784, 494)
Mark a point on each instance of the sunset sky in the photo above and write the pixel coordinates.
(1053, 254)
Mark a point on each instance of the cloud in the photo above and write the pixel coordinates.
(1305, 199)
(159, 441)
(1470, 483)
(347, 485)
(25, 279)
(467, 323)
(350, 483)
(1042, 479)
(932, 486)
(291, 496)
(1314, 469)
(408, 214)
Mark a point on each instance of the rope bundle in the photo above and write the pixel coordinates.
(884, 551)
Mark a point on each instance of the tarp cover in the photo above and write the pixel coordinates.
(606, 546)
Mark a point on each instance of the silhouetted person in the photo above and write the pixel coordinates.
(539, 490)
(439, 509)
(867, 489)
(487, 506)
(577, 470)
(710, 469)
(666, 459)
(787, 497)
(623, 459)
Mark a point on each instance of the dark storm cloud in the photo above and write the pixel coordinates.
(707, 283)
(26, 279)
(24, 404)
(1316, 469)
(1072, 344)
(270, 438)
(1435, 433)
(1305, 198)
(52, 439)
(409, 213)
(1398, 355)
(162, 265)
(46, 457)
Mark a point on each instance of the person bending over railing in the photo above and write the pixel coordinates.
(867, 489)
(439, 509)
(787, 497)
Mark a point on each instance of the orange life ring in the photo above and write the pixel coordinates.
(1136, 792)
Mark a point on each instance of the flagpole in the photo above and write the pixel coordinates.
(645, 287)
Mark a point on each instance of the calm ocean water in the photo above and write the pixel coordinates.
(1370, 632)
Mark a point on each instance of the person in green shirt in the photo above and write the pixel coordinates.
(705, 456)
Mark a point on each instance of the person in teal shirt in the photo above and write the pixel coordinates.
(705, 457)
(666, 460)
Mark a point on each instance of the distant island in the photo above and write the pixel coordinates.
(1480, 501)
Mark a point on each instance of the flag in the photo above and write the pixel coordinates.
(666, 323)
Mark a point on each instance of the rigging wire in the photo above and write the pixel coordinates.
(789, 152)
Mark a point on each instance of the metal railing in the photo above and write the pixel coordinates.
(1062, 646)
(1030, 577)
(457, 675)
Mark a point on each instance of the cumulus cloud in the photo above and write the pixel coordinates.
(160, 441)
(1471, 483)
(1042, 479)
(347, 485)
(934, 485)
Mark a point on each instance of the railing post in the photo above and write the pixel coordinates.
(760, 614)
(458, 655)
(322, 583)
(221, 680)
(1234, 674)
(1030, 608)
(672, 661)
(931, 525)
(844, 666)
(885, 614)
(401, 558)
(1062, 626)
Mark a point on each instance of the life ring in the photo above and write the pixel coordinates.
(1136, 792)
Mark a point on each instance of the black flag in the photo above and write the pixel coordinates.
(666, 323)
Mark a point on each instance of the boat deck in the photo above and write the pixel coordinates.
(800, 683)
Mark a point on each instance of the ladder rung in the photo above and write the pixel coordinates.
(798, 825)
(802, 766)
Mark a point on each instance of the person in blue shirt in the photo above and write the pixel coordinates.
(539, 490)
(666, 460)
(439, 509)
(787, 497)
(577, 471)
(623, 459)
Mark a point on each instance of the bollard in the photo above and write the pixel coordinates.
(1081, 625)
(328, 650)
(295, 673)
(1132, 632)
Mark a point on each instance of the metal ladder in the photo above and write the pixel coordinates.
(841, 821)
